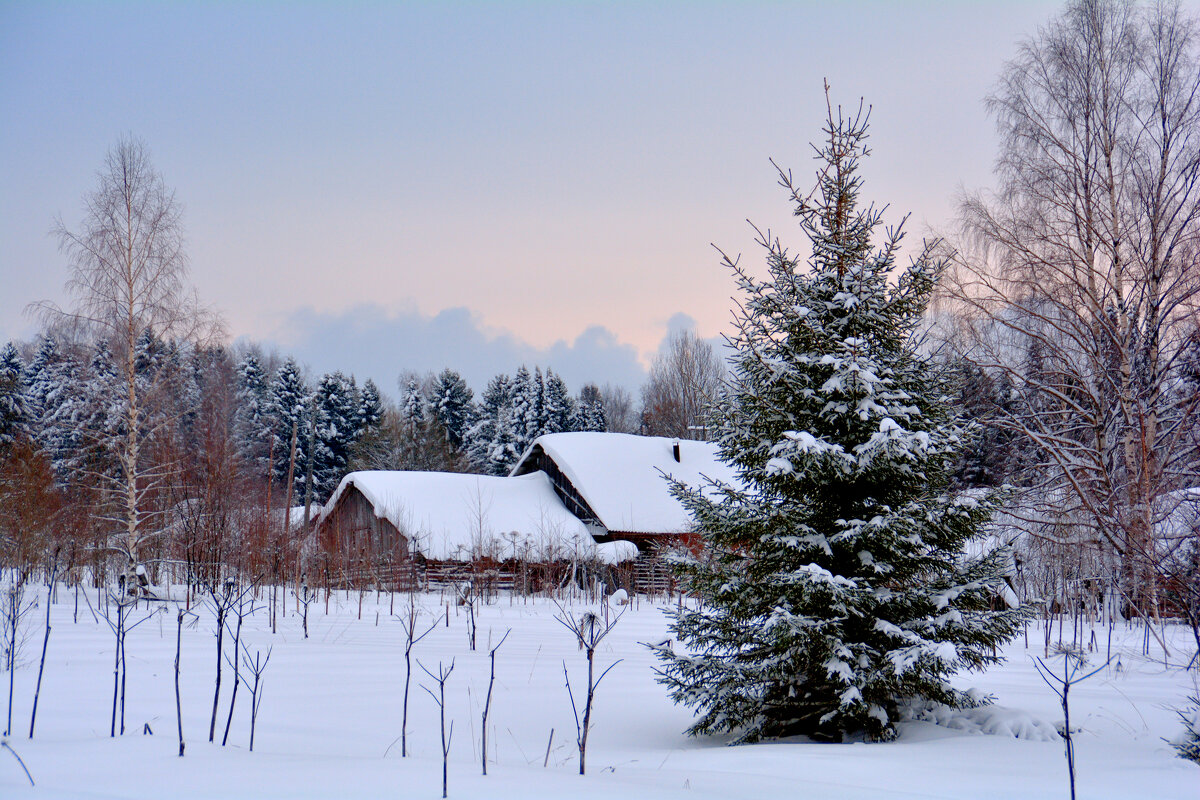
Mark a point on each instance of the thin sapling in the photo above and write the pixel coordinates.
(1074, 662)
(45, 641)
(409, 625)
(589, 630)
(245, 607)
(254, 682)
(443, 674)
(487, 705)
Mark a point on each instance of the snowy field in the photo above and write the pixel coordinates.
(329, 723)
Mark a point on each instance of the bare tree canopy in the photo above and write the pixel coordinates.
(619, 413)
(128, 267)
(684, 381)
(1078, 275)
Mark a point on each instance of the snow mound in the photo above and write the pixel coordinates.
(986, 720)
(616, 552)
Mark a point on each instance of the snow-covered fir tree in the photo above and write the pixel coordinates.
(376, 442)
(412, 406)
(289, 418)
(451, 402)
(515, 411)
(995, 456)
(370, 409)
(504, 452)
(166, 394)
(101, 417)
(493, 427)
(14, 413)
(252, 423)
(53, 404)
(335, 429)
(309, 453)
(834, 585)
(187, 373)
(414, 426)
(1187, 745)
(37, 376)
(589, 410)
(150, 354)
(558, 407)
(535, 421)
(525, 408)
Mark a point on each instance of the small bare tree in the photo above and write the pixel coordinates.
(440, 678)
(589, 630)
(411, 638)
(487, 705)
(468, 592)
(223, 598)
(243, 608)
(1074, 662)
(45, 639)
(253, 678)
(14, 607)
(120, 627)
(181, 614)
(305, 597)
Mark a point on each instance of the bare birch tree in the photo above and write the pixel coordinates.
(620, 416)
(1078, 273)
(684, 381)
(128, 278)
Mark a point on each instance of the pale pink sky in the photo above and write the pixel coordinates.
(534, 173)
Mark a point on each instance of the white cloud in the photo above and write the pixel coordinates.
(371, 342)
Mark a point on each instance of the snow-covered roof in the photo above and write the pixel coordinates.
(620, 476)
(455, 516)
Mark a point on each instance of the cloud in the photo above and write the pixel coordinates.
(680, 322)
(371, 342)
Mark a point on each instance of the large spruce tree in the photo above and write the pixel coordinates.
(834, 580)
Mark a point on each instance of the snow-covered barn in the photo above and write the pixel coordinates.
(442, 516)
(616, 483)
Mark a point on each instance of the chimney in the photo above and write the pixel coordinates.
(675, 449)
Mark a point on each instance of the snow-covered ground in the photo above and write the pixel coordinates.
(329, 724)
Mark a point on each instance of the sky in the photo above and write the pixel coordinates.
(392, 187)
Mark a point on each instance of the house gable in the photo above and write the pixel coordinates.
(618, 483)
